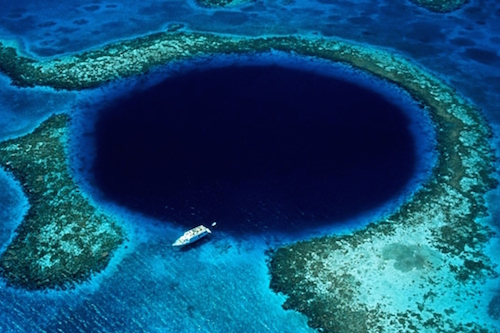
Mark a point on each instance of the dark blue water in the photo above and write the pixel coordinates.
(255, 148)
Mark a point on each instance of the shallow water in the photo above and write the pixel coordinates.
(221, 285)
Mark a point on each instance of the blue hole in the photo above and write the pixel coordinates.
(255, 148)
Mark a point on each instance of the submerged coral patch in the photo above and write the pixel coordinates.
(440, 6)
(221, 3)
(408, 257)
(62, 239)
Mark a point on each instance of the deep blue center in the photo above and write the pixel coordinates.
(255, 148)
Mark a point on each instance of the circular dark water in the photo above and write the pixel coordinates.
(255, 148)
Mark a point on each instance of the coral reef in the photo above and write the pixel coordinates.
(422, 268)
(440, 6)
(220, 3)
(63, 238)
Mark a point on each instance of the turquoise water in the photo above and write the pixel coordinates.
(222, 285)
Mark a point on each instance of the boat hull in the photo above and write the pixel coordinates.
(192, 236)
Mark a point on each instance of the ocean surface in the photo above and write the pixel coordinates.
(222, 283)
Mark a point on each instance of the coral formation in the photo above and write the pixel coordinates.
(220, 3)
(440, 6)
(63, 238)
(414, 270)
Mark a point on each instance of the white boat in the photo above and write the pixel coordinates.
(192, 235)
